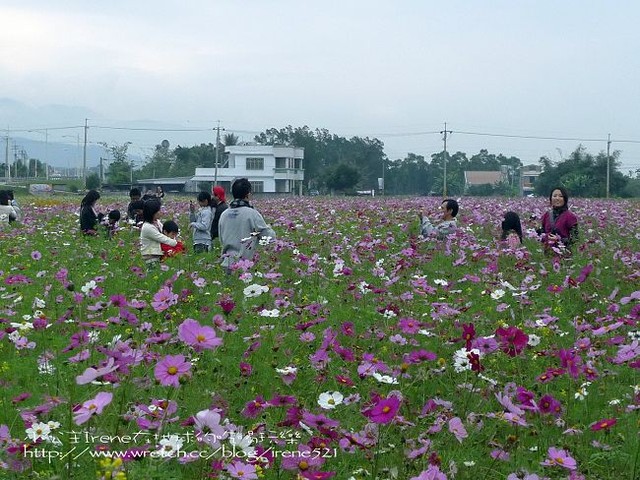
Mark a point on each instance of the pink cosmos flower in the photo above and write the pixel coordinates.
(170, 369)
(384, 410)
(457, 428)
(208, 428)
(559, 457)
(36, 255)
(90, 374)
(245, 471)
(199, 337)
(303, 460)
(84, 412)
(431, 473)
(317, 475)
(163, 299)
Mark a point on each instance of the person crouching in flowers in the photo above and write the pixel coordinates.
(151, 236)
(511, 230)
(241, 226)
(7, 212)
(111, 223)
(89, 217)
(171, 230)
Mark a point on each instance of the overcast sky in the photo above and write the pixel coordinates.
(390, 69)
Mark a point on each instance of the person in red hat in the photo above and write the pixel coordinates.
(219, 198)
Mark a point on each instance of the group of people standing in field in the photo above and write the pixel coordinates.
(238, 226)
(559, 225)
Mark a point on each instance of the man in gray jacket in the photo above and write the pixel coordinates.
(241, 226)
(449, 208)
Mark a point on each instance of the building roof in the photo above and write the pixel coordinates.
(165, 181)
(472, 177)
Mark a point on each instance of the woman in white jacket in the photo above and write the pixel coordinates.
(151, 235)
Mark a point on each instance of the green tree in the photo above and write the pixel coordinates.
(230, 139)
(120, 170)
(455, 172)
(583, 174)
(190, 158)
(160, 163)
(93, 181)
(342, 177)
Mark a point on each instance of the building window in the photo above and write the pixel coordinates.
(257, 187)
(255, 163)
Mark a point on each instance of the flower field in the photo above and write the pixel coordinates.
(351, 349)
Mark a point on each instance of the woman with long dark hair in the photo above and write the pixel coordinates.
(559, 224)
(89, 217)
(511, 229)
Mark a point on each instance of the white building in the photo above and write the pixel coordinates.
(270, 169)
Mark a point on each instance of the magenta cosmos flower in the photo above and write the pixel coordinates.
(559, 457)
(384, 410)
(171, 369)
(603, 424)
(199, 337)
(512, 340)
(95, 406)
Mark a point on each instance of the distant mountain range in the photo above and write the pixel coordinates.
(28, 129)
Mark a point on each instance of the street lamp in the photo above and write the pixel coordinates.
(77, 160)
(46, 152)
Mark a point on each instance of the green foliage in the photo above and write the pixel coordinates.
(120, 169)
(342, 177)
(583, 175)
(159, 164)
(93, 181)
(230, 139)
(190, 158)
(324, 151)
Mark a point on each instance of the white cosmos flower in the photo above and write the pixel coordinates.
(384, 378)
(38, 431)
(534, 340)
(330, 400)
(275, 313)
(89, 286)
(170, 445)
(39, 303)
(461, 360)
(287, 370)
(244, 442)
(441, 281)
(497, 294)
(265, 241)
(255, 290)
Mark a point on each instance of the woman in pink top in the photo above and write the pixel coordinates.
(559, 224)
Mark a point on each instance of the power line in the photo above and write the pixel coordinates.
(534, 137)
(142, 129)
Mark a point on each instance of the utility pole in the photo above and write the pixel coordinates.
(84, 154)
(444, 180)
(608, 161)
(215, 175)
(7, 172)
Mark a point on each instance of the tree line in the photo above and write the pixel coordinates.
(333, 163)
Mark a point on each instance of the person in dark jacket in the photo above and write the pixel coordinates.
(559, 224)
(221, 206)
(89, 217)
